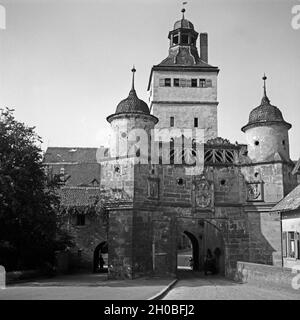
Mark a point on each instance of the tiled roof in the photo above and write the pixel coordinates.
(290, 202)
(91, 197)
(265, 113)
(77, 155)
(76, 174)
(79, 196)
(184, 56)
(132, 104)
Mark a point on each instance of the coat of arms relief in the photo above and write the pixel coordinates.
(255, 191)
(203, 194)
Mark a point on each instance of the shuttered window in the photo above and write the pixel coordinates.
(208, 83)
(182, 82)
(284, 244)
(298, 246)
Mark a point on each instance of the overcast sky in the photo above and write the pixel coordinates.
(65, 64)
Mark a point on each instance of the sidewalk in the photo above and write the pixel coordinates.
(85, 286)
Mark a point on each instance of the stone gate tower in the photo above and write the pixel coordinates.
(183, 87)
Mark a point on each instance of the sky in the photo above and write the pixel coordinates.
(65, 64)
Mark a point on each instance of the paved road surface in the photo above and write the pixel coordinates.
(216, 288)
(81, 287)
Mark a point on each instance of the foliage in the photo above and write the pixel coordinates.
(28, 204)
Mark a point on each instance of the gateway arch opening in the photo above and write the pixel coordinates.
(200, 248)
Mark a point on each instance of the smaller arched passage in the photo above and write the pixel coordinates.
(99, 262)
(188, 248)
(195, 250)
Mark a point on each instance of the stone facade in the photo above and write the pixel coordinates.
(225, 205)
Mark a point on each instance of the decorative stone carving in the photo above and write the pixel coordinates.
(203, 194)
(255, 191)
(153, 188)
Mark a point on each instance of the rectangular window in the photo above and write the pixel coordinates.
(171, 121)
(185, 39)
(182, 82)
(284, 244)
(196, 122)
(298, 247)
(175, 39)
(80, 220)
(208, 83)
(291, 244)
(167, 82)
(194, 83)
(202, 83)
(176, 82)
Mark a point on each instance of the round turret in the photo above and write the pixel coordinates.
(267, 132)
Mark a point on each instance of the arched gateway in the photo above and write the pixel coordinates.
(99, 251)
(203, 236)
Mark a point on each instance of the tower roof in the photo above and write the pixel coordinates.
(183, 23)
(265, 113)
(132, 104)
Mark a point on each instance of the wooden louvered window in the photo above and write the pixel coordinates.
(182, 82)
(284, 244)
(208, 83)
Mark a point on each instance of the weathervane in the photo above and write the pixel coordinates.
(183, 9)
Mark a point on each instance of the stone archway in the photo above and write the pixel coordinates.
(195, 249)
(101, 248)
(203, 234)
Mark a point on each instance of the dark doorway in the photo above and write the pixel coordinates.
(100, 258)
(188, 252)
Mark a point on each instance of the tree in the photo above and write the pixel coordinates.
(28, 204)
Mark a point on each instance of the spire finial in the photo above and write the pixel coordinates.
(133, 70)
(183, 9)
(265, 99)
(265, 90)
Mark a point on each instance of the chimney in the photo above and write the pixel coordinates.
(203, 47)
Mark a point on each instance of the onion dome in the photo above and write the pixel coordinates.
(132, 104)
(265, 114)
